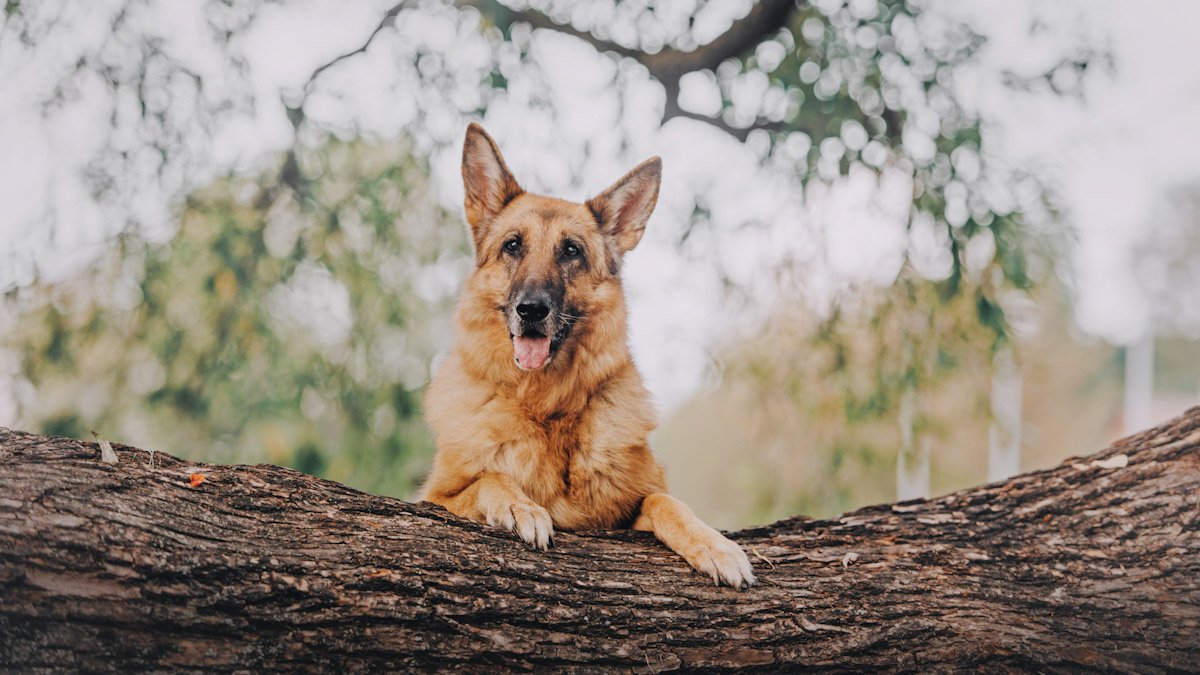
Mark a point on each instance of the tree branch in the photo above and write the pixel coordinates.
(673, 111)
(164, 564)
(291, 174)
(763, 19)
(389, 18)
(669, 65)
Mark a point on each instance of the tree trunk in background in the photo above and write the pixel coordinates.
(1092, 565)
(1139, 383)
(912, 459)
(1004, 432)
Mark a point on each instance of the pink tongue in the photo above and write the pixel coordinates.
(532, 353)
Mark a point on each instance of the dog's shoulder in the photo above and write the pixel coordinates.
(620, 414)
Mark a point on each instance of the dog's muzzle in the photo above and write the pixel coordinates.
(537, 330)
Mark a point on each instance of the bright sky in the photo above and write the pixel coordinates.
(1112, 157)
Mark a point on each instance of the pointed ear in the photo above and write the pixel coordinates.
(623, 209)
(488, 184)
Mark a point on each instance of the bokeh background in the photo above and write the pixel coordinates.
(902, 247)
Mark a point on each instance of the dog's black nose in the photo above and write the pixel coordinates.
(533, 307)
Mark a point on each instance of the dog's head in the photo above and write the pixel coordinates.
(545, 258)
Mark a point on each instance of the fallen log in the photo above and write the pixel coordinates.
(157, 563)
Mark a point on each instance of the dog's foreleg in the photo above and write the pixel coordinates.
(705, 549)
(496, 499)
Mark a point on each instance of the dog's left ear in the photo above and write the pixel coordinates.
(623, 209)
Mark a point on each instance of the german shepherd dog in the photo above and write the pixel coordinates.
(539, 414)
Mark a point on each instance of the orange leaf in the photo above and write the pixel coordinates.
(196, 479)
(380, 573)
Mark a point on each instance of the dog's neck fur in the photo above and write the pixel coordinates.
(596, 352)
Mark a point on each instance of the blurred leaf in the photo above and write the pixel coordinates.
(314, 359)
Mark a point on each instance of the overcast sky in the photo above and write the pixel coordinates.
(1112, 157)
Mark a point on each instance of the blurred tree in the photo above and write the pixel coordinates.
(799, 425)
(829, 88)
(290, 326)
(821, 90)
(1169, 265)
(811, 403)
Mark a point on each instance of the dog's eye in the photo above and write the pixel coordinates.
(513, 245)
(571, 250)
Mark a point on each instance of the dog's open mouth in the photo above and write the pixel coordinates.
(533, 350)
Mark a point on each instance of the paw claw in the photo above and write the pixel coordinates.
(724, 562)
(533, 525)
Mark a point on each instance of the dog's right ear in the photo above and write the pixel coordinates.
(488, 184)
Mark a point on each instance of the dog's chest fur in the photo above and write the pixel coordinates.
(571, 464)
(580, 452)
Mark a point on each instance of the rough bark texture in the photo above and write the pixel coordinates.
(1093, 565)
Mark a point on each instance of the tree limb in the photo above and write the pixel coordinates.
(388, 19)
(673, 111)
(668, 65)
(1093, 565)
(291, 174)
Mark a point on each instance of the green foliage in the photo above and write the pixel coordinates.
(875, 85)
(823, 396)
(293, 316)
(291, 327)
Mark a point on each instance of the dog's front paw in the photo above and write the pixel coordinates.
(723, 560)
(531, 522)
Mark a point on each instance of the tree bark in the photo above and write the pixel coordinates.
(1093, 565)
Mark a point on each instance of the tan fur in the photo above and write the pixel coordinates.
(564, 446)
